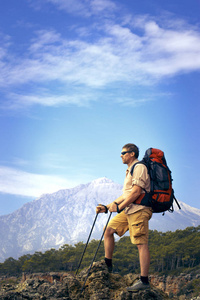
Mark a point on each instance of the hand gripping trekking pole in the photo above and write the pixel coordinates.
(86, 244)
(95, 253)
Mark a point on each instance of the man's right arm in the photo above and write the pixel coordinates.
(101, 208)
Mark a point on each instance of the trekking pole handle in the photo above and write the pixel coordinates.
(106, 209)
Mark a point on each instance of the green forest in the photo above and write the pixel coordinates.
(171, 253)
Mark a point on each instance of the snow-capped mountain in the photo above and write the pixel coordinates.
(66, 217)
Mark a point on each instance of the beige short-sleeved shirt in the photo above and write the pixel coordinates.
(140, 178)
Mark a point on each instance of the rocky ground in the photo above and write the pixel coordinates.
(99, 285)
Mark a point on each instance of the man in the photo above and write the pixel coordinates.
(132, 217)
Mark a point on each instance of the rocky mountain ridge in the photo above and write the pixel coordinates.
(99, 285)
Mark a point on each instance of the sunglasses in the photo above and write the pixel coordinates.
(124, 152)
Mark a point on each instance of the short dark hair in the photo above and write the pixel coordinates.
(133, 148)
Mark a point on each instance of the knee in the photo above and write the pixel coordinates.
(109, 231)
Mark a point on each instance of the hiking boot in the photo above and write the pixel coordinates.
(110, 268)
(138, 286)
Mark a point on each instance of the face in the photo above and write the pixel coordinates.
(127, 157)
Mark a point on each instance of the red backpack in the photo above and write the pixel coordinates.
(161, 195)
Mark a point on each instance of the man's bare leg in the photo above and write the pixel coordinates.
(109, 245)
(109, 242)
(144, 257)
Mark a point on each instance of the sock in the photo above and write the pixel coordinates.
(144, 279)
(108, 262)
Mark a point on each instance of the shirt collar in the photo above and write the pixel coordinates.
(133, 163)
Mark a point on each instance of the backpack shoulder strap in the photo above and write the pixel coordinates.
(139, 162)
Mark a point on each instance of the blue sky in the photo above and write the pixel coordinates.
(81, 78)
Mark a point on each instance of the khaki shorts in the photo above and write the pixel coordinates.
(136, 223)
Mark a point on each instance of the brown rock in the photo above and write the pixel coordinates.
(100, 285)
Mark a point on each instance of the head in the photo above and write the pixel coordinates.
(129, 153)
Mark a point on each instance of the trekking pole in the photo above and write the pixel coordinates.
(86, 244)
(95, 254)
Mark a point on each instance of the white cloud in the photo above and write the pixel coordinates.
(72, 6)
(44, 39)
(45, 99)
(18, 182)
(84, 8)
(173, 51)
(102, 5)
(117, 55)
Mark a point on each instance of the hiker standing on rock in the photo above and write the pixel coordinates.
(132, 217)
